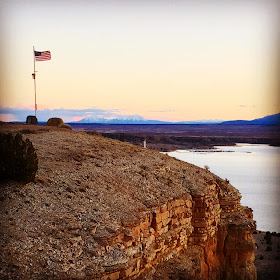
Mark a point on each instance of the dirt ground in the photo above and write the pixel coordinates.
(61, 172)
(267, 262)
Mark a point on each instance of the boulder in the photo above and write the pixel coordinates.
(54, 122)
(31, 120)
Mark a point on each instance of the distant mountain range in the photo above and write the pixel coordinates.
(129, 120)
(140, 120)
(268, 120)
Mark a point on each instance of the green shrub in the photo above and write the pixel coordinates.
(18, 159)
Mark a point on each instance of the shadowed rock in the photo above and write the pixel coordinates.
(31, 120)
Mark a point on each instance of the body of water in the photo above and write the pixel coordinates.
(253, 169)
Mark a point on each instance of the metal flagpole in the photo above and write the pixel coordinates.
(34, 77)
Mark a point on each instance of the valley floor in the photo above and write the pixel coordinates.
(267, 262)
(173, 137)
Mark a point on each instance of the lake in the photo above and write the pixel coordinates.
(252, 169)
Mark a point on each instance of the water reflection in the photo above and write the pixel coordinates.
(253, 170)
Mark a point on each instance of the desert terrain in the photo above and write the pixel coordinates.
(80, 218)
(173, 137)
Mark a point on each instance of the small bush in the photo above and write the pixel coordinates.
(27, 131)
(268, 248)
(144, 167)
(267, 237)
(18, 159)
(65, 125)
(207, 168)
(95, 133)
(169, 181)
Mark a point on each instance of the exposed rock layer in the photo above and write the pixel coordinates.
(102, 209)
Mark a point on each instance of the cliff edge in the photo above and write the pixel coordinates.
(104, 209)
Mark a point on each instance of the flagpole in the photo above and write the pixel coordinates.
(34, 77)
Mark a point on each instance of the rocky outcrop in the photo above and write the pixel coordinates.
(212, 224)
(31, 120)
(54, 121)
(103, 209)
(58, 122)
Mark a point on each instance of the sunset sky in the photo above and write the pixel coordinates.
(165, 60)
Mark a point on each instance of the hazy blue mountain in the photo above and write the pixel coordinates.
(201, 122)
(268, 120)
(138, 120)
(142, 121)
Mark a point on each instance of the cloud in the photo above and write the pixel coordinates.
(6, 117)
(68, 115)
(163, 111)
(247, 106)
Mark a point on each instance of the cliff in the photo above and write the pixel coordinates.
(104, 209)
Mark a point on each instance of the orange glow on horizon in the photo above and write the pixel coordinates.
(187, 61)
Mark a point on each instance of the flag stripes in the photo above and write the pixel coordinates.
(42, 56)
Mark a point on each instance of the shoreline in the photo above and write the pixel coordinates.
(234, 166)
(167, 148)
(188, 143)
(167, 138)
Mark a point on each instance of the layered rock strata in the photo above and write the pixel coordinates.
(102, 209)
(217, 224)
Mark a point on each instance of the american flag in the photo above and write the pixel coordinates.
(42, 56)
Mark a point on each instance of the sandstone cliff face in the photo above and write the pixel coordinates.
(102, 209)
